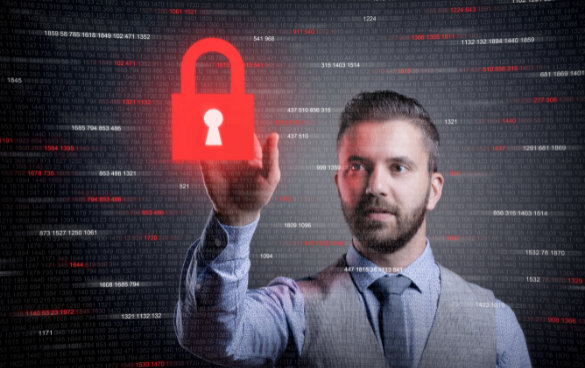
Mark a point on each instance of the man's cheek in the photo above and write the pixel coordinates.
(356, 187)
(350, 197)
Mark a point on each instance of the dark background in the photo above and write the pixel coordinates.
(96, 219)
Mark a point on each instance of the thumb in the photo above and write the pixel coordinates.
(270, 155)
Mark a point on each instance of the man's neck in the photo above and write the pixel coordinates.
(400, 259)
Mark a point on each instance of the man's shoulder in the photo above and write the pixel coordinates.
(455, 284)
(324, 281)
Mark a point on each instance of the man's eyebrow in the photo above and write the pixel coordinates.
(399, 159)
(356, 158)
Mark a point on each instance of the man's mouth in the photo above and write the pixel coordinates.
(375, 210)
(377, 213)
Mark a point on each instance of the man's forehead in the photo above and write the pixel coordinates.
(367, 136)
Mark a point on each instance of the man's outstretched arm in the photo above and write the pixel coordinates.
(218, 319)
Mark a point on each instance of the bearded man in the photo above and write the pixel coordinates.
(385, 303)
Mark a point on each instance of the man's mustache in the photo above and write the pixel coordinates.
(378, 203)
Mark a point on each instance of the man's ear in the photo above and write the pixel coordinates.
(335, 177)
(437, 181)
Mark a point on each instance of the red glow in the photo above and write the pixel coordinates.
(546, 99)
(511, 121)
(148, 364)
(288, 122)
(422, 37)
(183, 11)
(125, 63)
(503, 68)
(41, 173)
(162, 212)
(467, 9)
(136, 102)
(323, 243)
(555, 320)
(168, 11)
(562, 320)
(303, 31)
(476, 69)
(471, 173)
(316, 31)
(113, 101)
(104, 199)
(308, 242)
(71, 264)
(155, 237)
(254, 65)
(65, 263)
(151, 212)
(59, 148)
(50, 312)
(433, 36)
(246, 65)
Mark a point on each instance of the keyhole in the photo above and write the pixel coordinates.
(213, 119)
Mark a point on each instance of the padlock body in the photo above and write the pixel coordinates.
(190, 132)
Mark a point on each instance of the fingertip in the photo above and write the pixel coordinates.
(274, 139)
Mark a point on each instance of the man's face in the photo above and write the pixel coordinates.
(384, 184)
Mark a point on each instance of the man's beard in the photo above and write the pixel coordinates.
(393, 237)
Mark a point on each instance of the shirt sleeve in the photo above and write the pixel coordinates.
(511, 344)
(218, 319)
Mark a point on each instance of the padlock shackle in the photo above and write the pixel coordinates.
(212, 45)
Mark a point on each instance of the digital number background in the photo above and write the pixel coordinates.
(96, 219)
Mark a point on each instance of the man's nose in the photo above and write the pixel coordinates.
(378, 182)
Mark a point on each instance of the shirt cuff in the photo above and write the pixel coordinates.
(223, 242)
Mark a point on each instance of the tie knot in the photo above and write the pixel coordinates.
(392, 285)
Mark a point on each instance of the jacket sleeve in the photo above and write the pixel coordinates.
(218, 319)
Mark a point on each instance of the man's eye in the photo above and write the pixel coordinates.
(399, 168)
(355, 167)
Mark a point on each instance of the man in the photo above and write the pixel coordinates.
(386, 303)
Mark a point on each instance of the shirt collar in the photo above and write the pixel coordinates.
(365, 272)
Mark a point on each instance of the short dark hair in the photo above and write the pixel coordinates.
(382, 106)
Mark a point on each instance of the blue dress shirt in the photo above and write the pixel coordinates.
(218, 319)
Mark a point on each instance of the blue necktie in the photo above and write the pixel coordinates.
(393, 330)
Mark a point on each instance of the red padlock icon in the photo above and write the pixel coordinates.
(212, 126)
